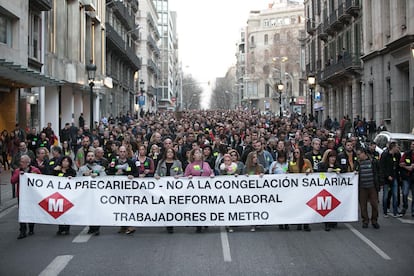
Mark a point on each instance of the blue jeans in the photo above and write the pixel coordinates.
(407, 185)
(393, 185)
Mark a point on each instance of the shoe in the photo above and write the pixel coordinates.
(59, 232)
(386, 215)
(122, 230)
(375, 225)
(21, 236)
(396, 215)
(231, 230)
(65, 233)
(365, 225)
(130, 231)
(31, 233)
(90, 231)
(253, 229)
(96, 233)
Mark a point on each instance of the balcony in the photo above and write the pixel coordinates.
(121, 11)
(334, 21)
(115, 41)
(327, 27)
(41, 5)
(151, 43)
(310, 26)
(322, 34)
(352, 7)
(153, 67)
(343, 67)
(342, 15)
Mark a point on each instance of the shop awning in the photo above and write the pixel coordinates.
(16, 76)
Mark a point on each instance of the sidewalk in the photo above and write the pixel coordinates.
(6, 200)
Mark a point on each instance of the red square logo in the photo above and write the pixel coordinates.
(56, 205)
(323, 203)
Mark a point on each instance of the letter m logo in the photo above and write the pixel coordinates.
(55, 205)
(323, 203)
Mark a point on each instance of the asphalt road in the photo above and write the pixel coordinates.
(347, 250)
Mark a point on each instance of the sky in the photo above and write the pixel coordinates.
(207, 35)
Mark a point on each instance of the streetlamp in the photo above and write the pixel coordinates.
(91, 69)
(311, 83)
(280, 89)
(141, 86)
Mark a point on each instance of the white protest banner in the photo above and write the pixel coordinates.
(222, 200)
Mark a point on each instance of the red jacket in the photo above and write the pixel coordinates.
(16, 177)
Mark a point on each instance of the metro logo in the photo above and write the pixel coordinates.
(55, 205)
(323, 203)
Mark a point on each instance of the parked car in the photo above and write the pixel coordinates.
(384, 137)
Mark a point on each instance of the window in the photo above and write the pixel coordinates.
(34, 35)
(266, 39)
(5, 30)
(266, 23)
(267, 90)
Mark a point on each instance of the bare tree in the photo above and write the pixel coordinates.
(191, 93)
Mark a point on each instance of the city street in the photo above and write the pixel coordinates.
(347, 250)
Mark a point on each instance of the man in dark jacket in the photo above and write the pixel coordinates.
(389, 164)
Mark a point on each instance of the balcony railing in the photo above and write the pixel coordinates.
(123, 15)
(334, 22)
(41, 5)
(125, 51)
(151, 42)
(352, 7)
(153, 67)
(347, 63)
(342, 15)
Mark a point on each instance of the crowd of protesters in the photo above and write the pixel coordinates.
(219, 142)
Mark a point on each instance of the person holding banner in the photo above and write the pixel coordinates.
(280, 166)
(65, 169)
(228, 167)
(235, 157)
(300, 165)
(24, 167)
(253, 167)
(144, 164)
(369, 185)
(197, 167)
(169, 165)
(91, 168)
(329, 164)
(123, 166)
(42, 161)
